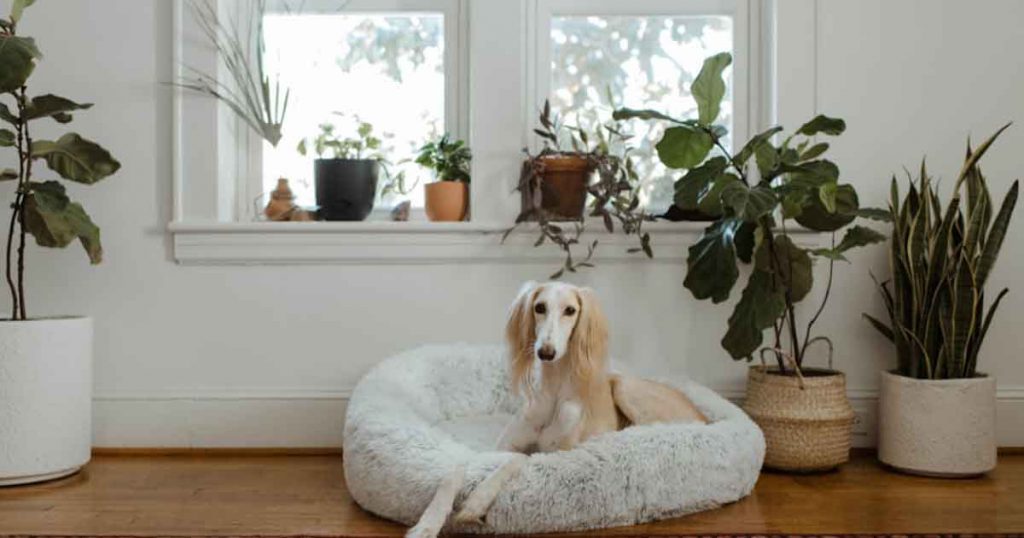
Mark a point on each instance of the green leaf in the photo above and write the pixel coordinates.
(711, 268)
(645, 114)
(745, 242)
(53, 106)
(76, 159)
(815, 216)
(996, 233)
(6, 115)
(880, 327)
(814, 151)
(710, 201)
(54, 221)
(823, 124)
(708, 88)
(790, 264)
(859, 236)
(8, 174)
(758, 308)
(692, 186)
(749, 204)
(18, 7)
(767, 158)
(874, 213)
(757, 142)
(6, 138)
(18, 57)
(683, 147)
(827, 196)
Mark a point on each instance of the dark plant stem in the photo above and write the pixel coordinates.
(15, 210)
(824, 300)
(26, 156)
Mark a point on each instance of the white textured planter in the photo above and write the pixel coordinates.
(938, 428)
(45, 398)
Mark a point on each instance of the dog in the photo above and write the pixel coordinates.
(557, 339)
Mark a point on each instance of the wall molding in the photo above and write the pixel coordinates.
(275, 417)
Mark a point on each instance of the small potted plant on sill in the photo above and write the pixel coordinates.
(45, 363)
(803, 411)
(548, 184)
(346, 182)
(447, 199)
(936, 410)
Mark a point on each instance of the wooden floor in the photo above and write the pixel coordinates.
(305, 495)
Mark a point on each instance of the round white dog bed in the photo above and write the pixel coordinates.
(416, 416)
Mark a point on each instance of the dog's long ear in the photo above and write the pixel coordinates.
(590, 337)
(520, 333)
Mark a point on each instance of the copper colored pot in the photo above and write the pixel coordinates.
(563, 185)
(446, 201)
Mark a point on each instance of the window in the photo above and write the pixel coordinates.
(383, 70)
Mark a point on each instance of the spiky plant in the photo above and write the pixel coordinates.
(940, 264)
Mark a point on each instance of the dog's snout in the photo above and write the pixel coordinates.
(546, 353)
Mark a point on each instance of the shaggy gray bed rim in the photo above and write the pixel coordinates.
(415, 416)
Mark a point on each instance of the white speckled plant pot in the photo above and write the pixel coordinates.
(45, 398)
(941, 427)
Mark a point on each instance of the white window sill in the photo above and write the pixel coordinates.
(263, 243)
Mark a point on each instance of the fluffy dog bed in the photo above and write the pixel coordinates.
(415, 416)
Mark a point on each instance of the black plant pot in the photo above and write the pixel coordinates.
(345, 188)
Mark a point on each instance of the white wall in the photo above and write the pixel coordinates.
(265, 355)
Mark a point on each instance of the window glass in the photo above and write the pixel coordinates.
(642, 62)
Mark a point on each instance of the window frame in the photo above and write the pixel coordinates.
(498, 42)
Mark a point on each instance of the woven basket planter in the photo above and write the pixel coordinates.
(806, 422)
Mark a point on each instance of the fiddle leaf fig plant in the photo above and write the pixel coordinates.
(41, 207)
(751, 194)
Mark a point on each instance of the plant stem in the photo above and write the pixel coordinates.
(26, 155)
(824, 300)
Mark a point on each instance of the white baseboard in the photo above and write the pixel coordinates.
(297, 418)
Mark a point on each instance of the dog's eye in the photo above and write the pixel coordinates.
(570, 311)
(540, 308)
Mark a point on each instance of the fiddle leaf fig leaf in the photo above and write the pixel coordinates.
(691, 186)
(859, 236)
(645, 114)
(708, 88)
(8, 174)
(814, 151)
(875, 213)
(759, 306)
(18, 7)
(76, 159)
(756, 143)
(711, 265)
(683, 146)
(823, 124)
(827, 196)
(6, 138)
(816, 216)
(789, 264)
(748, 203)
(18, 57)
(710, 201)
(55, 221)
(53, 106)
(6, 115)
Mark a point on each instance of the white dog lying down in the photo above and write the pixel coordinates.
(557, 340)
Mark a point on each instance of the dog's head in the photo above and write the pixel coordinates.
(554, 322)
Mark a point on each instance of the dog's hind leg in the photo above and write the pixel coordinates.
(433, 518)
(480, 500)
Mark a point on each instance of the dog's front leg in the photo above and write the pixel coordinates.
(565, 431)
(479, 502)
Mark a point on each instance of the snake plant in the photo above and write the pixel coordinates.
(940, 264)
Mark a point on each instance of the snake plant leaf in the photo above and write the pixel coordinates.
(18, 7)
(18, 57)
(711, 270)
(757, 142)
(53, 106)
(708, 88)
(683, 146)
(6, 138)
(788, 263)
(76, 159)
(748, 203)
(963, 322)
(816, 216)
(996, 234)
(880, 327)
(823, 124)
(977, 155)
(697, 180)
(759, 306)
(988, 318)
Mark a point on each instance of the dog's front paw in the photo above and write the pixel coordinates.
(472, 513)
(423, 531)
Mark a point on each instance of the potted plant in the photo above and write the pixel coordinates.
(45, 363)
(548, 182)
(803, 411)
(447, 198)
(936, 410)
(346, 182)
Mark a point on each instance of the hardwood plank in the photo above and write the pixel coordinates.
(199, 495)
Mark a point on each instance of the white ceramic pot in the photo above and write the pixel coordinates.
(943, 427)
(45, 398)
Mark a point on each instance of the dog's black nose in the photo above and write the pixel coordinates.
(546, 353)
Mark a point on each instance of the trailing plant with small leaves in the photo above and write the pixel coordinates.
(940, 264)
(751, 194)
(41, 207)
(615, 195)
(448, 158)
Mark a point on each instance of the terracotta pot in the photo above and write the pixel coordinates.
(806, 429)
(446, 201)
(942, 427)
(563, 185)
